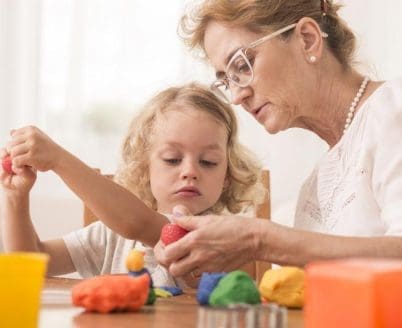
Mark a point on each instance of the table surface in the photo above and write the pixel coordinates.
(179, 311)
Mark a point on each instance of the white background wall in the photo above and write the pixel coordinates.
(290, 156)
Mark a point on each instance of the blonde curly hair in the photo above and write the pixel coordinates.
(244, 187)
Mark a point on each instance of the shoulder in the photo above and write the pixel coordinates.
(384, 109)
(386, 100)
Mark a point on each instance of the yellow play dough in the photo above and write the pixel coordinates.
(284, 286)
(135, 260)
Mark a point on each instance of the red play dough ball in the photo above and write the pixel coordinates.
(172, 232)
(7, 165)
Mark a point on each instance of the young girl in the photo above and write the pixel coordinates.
(182, 149)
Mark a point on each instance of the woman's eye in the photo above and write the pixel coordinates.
(242, 66)
(172, 161)
(208, 163)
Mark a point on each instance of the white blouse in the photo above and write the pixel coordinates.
(356, 188)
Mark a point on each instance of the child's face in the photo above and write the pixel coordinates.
(188, 160)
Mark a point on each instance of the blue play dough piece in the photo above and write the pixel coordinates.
(173, 290)
(141, 272)
(207, 284)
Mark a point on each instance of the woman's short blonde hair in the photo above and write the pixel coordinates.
(264, 16)
(243, 175)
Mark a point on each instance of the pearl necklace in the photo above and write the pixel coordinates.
(354, 103)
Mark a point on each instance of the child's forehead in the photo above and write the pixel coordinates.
(195, 128)
(182, 113)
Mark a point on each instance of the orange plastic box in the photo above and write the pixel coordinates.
(353, 293)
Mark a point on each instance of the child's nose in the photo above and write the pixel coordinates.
(190, 171)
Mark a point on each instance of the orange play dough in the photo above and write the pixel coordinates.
(111, 293)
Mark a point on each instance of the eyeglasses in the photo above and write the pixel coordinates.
(239, 70)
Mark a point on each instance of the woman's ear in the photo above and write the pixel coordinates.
(311, 39)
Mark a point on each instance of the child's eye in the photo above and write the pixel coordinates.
(207, 163)
(171, 161)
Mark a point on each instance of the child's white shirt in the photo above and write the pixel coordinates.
(97, 250)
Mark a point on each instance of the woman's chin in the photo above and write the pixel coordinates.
(272, 128)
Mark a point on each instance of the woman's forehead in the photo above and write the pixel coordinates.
(221, 41)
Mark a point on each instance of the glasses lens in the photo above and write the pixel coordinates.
(239, 70)
(222, 91)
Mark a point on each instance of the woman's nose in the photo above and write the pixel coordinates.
(239, 94)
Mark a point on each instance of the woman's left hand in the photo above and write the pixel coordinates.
(214, 244)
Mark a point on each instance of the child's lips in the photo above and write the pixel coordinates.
(188, 192)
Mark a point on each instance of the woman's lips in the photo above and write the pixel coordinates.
(260, 111)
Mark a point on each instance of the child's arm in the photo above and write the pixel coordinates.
(118, 208)
(18, 231)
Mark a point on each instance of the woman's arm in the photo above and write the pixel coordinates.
(283, 245)
(115, 206)
(225, 243)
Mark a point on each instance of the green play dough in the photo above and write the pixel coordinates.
(236, 287)
(151, 297)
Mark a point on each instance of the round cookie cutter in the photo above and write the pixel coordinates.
(242, 316)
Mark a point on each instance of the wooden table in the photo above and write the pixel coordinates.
(178, 312)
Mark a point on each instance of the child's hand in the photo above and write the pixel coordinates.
(19, 182)
(29, 146)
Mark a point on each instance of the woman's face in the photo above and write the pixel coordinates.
(273, 97)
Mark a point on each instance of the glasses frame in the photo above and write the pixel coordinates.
(226, 81)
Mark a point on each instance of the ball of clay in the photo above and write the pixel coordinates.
(207, 284)
(111, 293)
(135, 260)
(284, 286)
(234, 288)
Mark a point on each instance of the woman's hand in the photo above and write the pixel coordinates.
(29, 146)
(214, 244)
(19, 183)
(190, 279)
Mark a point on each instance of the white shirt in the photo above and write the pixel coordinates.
(97, 250)
(356, 188)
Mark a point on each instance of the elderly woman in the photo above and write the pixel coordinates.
(289, 64)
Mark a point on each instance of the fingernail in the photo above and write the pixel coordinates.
(177, 214)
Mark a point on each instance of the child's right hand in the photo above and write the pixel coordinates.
(18, 183)
(29, 146)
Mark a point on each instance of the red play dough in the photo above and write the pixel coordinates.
(172, 232)
(7, 165)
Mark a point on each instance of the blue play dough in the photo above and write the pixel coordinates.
(173, 290)
(141, 272)
(207, 284)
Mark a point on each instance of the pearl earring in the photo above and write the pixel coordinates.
(313, 59)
